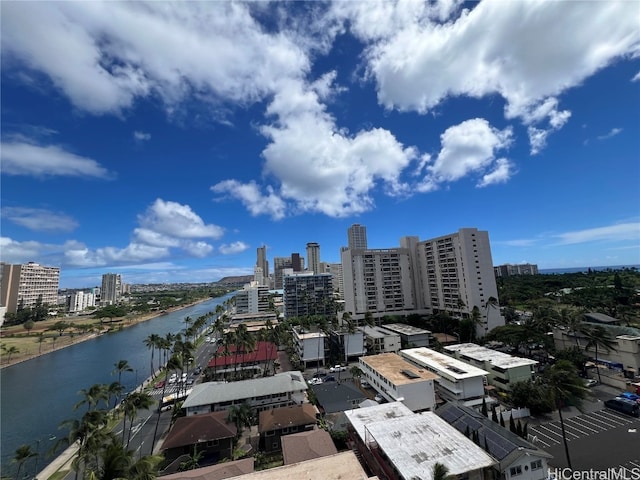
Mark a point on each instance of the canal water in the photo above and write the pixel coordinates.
(39, 394)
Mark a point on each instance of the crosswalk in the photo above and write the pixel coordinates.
(579, 426)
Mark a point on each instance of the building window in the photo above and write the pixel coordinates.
(514, 471)
(536, 465)
(269, 433)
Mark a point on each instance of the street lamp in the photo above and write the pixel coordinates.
(35, 468)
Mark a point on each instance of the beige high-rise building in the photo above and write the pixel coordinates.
(357, 236)
(313, 257)
(452, 273)
(263, 263)
(26, 285)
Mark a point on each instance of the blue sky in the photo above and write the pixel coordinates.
(167, 141)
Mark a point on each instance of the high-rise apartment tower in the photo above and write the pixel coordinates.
(357, 236)
(26, 285)
(313, 257)
(111, 290)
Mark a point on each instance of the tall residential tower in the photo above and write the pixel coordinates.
(26, 285)
(357, 236)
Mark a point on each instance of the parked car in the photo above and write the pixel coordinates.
(630, 396)
(159, 384)
(590, 382)
(329, 378)
(623, 405)
(315, 381)
(379, 398)
(365, 384)
(337, 368)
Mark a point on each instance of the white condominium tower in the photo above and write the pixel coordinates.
(357, 236)
(378, 281)
(313, 257)
(456, 272)
(452, 273)
(111, 290)
(26, 285)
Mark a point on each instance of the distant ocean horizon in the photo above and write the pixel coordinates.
(547, 271)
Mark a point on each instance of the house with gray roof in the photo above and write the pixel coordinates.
(280, 390)
(516, 458)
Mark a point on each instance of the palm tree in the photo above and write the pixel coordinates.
(41, 338)
(114, 390)
(89, 433)
(566, 387)
(351, 329)
(132, 404)
(152, 342)
(173, 364)
(22, 454)
(11, 351)
(241, 416)
(245, 342)
(193, 461)
(121, 366)
(492, 302)
(92, 396)
(441, 472)
(597, 336)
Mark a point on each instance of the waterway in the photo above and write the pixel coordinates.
(38, 395)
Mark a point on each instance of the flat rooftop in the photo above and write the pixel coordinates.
(442, 364)
(484, 354)
(359, 417)
(405, 329)
(377, 332)
(413, 444)
(396, 369)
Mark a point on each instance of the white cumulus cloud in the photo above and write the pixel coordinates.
(38, 219)
(468, 148)
(25, 158)
(529, 52)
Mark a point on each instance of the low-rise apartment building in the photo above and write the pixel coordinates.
(504, 369)
(396, 443)
(310, 346)
(379, 340)
(397, 380)
(457, 380)
(280, 390)
(410, 337)
(624, 358)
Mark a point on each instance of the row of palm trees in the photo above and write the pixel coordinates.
(101, 454)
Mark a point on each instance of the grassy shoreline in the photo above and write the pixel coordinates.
(29, 347)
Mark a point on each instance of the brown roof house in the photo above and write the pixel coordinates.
(219, 471)
(300, 447)
(277, 422)
(208, 433)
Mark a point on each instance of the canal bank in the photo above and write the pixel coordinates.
(39, 394)
(67, 340)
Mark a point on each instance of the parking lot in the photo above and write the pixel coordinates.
(597, 440)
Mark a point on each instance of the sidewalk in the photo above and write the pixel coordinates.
(61, 462)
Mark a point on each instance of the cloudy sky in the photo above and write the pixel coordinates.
(167, 141)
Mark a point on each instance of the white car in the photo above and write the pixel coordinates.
(337, 368)
(315, 381)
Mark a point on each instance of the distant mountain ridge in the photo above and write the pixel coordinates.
(235, 280)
